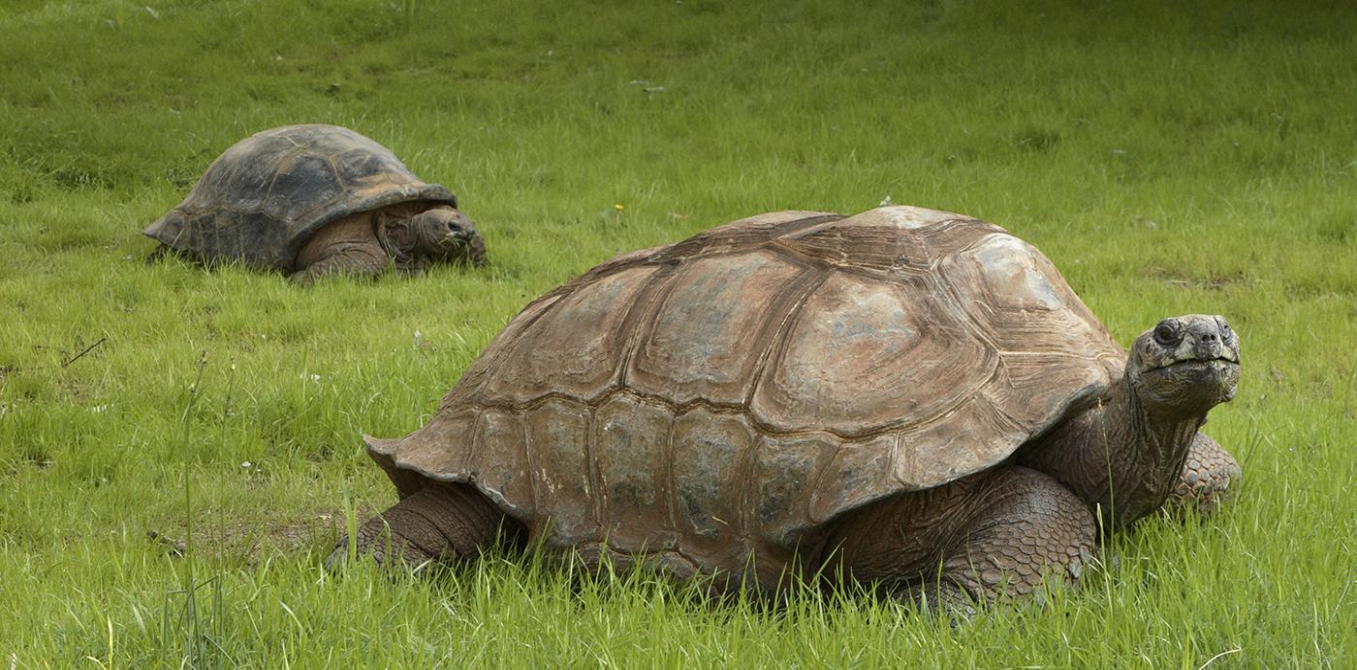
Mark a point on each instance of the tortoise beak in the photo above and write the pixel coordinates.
(1190, 363)
(463, 242)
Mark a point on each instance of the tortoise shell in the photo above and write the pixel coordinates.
(734, 392)
(262, 200)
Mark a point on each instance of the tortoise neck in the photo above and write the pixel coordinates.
(1117, 455)
(393, 234)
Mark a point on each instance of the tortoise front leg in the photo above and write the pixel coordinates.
(995, 533)
(1207, 476)
(366, 259)
(159, 252)
(437, 523)
(162, 251)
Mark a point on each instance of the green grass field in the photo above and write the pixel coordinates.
(1169, 157)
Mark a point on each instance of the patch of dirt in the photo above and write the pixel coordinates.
(251, 543)
(1214, 282)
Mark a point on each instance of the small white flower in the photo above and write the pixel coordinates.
(247, 465)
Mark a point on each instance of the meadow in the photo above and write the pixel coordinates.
(1169, 158)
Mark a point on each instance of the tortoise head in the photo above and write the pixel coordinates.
(1185, 365)
(444, 235)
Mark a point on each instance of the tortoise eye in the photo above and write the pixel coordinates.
(1166, 335)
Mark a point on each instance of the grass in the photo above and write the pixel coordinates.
(1169, 158)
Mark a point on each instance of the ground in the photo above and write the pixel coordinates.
(1169, 158)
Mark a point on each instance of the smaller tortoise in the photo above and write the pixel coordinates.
(316, 200)
(904, 397)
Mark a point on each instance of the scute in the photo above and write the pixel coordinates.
(558, 440)
(709, 482)
(698, 345)
(865, 355)
(575, 347)
(727, 396)
(631, 444)
(265, 196)
(1019, 302)
(788, 470)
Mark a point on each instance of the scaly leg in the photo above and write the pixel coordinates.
(970, 540)
(346, 258)
(1207, 476)
(437, 523)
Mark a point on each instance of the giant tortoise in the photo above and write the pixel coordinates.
(911, 398)
(316, 200)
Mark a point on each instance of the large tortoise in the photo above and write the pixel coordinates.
(910, 397)
(315, 200)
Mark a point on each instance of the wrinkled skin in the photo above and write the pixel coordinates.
(1127, 454)
(411, 240)
(1002, 530)
(444, 235)
(997, 532)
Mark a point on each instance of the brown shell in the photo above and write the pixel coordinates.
(733, 392)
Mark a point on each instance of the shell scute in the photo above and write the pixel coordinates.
(304, 173)
(424, 451)
(499, 459)
(705, 340)
(558, 448)
(789, 467)
(708, 450)
(968, 438)
(855, 475)
(631, 443)
(887, 241)
(865, 354)
(1023, 383)
(1018, 300)
(575, 346)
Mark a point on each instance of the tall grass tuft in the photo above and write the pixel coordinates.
(199, 631)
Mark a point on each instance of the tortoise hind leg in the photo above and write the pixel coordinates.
(998, 532)
(438, 523)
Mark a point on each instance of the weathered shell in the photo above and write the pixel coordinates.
(733, 392)
(263, 199)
